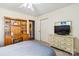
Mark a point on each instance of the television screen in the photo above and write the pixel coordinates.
(62, 30)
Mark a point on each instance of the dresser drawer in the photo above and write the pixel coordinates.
(69, 43)
(63, 47)
(66, 48)
(69, 40)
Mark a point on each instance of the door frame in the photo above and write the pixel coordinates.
(33, 28)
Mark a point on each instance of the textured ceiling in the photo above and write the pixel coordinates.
(39, 9)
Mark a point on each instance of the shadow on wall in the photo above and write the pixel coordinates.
(76, 46)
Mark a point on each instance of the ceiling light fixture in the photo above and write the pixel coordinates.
(28, 5)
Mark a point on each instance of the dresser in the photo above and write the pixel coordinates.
(65, 43)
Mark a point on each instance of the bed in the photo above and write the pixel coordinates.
(27, 48)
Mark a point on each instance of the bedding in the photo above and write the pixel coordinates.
(27, 48)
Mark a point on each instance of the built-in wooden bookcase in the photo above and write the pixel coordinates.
(16, 30)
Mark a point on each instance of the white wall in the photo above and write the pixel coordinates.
(70, 13)
(14, 14)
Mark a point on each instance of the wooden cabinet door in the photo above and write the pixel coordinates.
(7, 40)
(25, 37)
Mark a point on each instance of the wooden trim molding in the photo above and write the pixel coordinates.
(11, 18)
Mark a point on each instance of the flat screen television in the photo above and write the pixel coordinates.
(62, 29)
